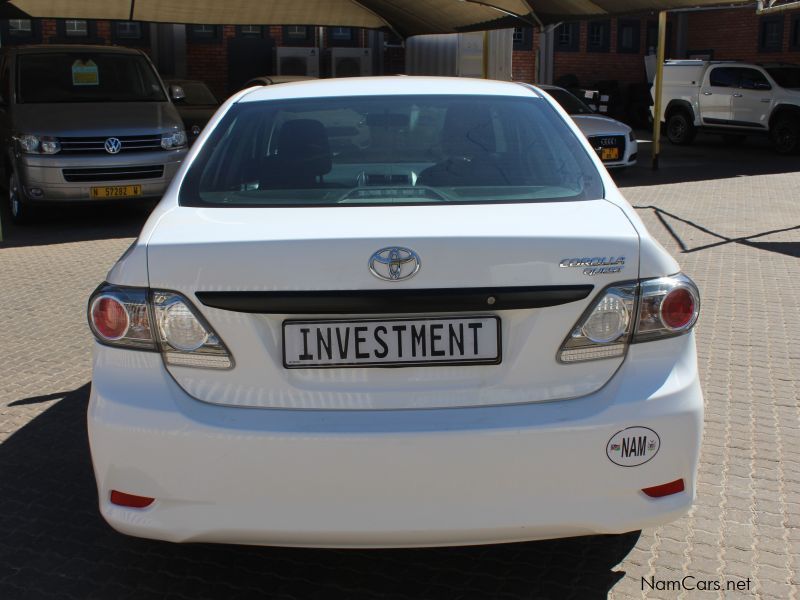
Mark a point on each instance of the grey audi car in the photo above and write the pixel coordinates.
(85, 124)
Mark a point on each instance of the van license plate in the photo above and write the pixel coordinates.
(116, 191)
(609, 154)
(391, 342)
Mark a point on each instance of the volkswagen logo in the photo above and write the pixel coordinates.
(112, 145)
(394, 263)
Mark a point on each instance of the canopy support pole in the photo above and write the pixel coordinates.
(485, 55)
(662, 36)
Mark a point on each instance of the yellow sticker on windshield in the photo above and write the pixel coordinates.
(85, 73)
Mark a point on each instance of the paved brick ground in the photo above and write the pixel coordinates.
(731, 216)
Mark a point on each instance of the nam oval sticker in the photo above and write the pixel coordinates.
(633, 446)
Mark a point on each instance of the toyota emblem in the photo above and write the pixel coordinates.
(112, 145)
(394, 263)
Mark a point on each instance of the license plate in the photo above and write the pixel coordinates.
(609, 154)
(391, 342)
(116, 191)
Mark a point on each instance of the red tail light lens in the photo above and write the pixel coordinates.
(130, 500)
(110, 318)
(677, 309)
(141, 319)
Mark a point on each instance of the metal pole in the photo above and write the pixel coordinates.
(662, 35)
(486, 55)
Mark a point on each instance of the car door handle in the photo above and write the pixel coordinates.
(706, 93)
(766, 100)
(737, 95)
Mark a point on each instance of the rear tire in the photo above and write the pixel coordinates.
(21, 211)
(785, 135)
(680, 129)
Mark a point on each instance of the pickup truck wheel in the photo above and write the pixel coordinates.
(20, 210)
(785, 135)
(680, 129)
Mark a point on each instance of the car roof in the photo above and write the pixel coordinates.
(42, 48)
(387, 86)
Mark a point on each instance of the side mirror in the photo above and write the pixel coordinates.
(176, 93)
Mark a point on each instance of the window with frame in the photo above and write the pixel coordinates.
(251, 31)
(628, 35)
(342, 36)
(794, 36)
(567, 37)
(203, 32)
(598, 36)
(19, 31)
(76, 28)
(20, 27)
(298, 35)
(128, 30)
(651, 38)
(523, 38)
(770, 34)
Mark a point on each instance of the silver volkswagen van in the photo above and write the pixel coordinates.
(85, 124)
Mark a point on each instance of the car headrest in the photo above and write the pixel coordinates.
(302, 145)
(468, 130)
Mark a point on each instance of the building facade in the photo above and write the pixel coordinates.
(606, 54)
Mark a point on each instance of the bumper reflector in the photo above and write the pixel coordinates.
(665, 489)
(130, 500)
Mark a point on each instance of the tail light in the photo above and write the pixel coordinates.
(632, 312)
(156, 320)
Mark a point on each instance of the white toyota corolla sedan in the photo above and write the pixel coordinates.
(398, 311)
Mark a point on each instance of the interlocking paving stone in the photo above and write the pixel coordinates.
(732, 219)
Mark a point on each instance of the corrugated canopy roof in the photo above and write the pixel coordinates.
(406, 17)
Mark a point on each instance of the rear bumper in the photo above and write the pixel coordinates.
(43, 180)
(391, 478)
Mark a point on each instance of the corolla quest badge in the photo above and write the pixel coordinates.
(394, 263)
(112, 145)
(595, 265)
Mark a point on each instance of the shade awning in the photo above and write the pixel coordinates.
(406, 17)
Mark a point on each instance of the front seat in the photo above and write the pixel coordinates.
(302, 156)
(468, 144)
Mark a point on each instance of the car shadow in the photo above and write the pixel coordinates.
(75, 223)
(708, 158)
(53, 542)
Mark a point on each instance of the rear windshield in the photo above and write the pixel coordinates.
(787, 77)
(390, 150)
(55, 77)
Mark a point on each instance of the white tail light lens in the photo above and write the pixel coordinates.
(119, 317)
(604, 330)
(186, 339)
(632, 312)
(141, 319)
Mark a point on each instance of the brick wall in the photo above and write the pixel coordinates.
(523, 65)
(591, 67)
(734, 34)
(207, 61)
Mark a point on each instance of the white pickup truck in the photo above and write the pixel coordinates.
(734, 99)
